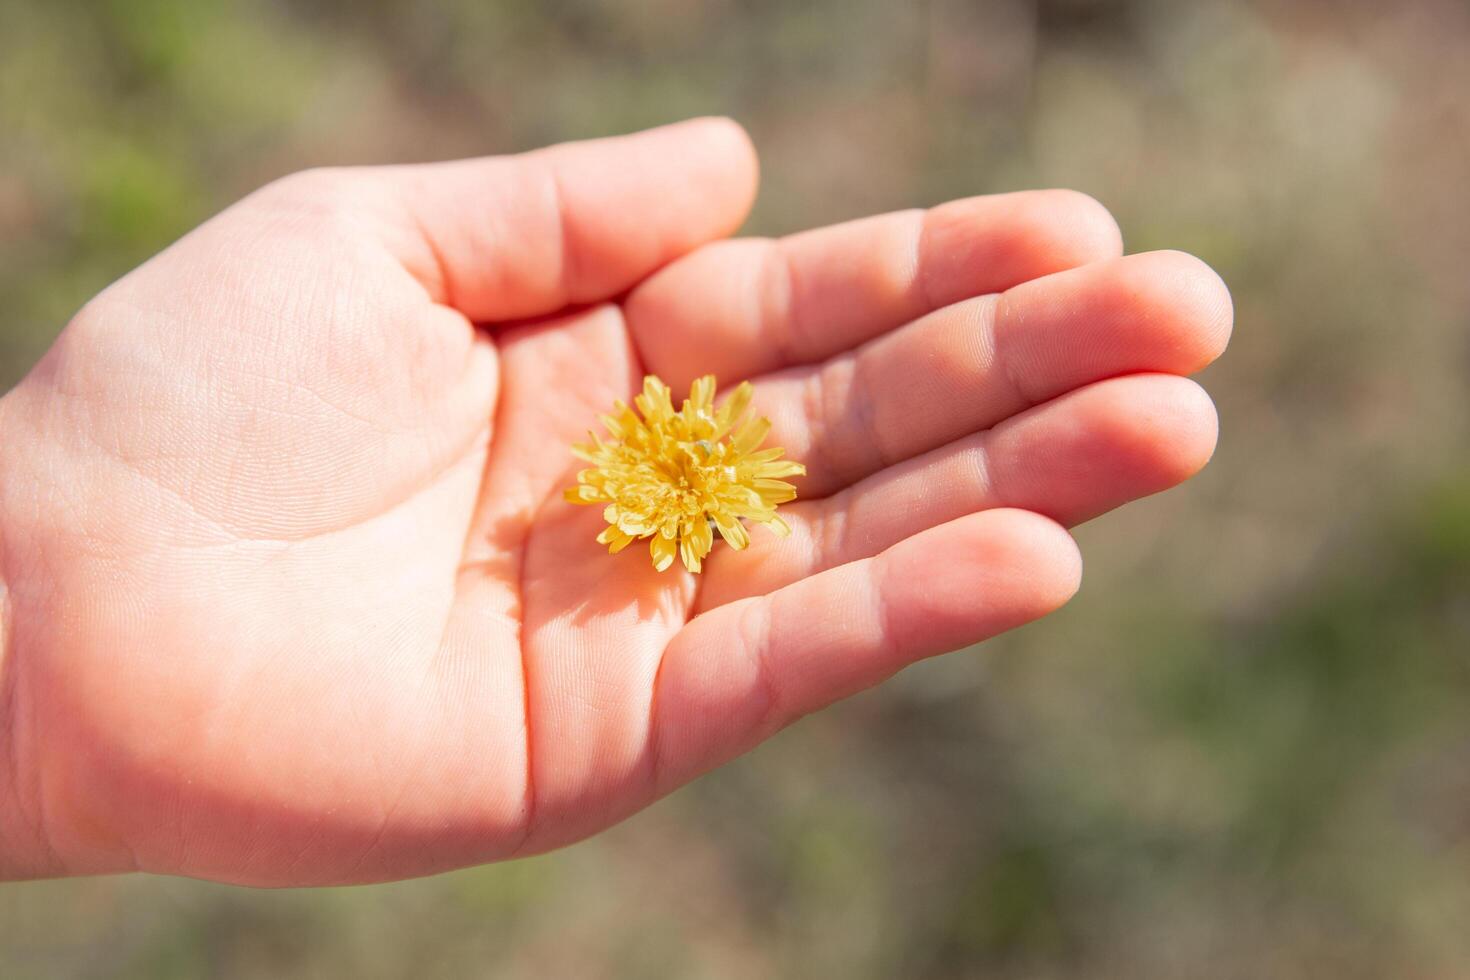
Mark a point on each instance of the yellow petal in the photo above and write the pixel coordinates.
(696, 542)
(774, 471)
(733, 532)
(734, 407)
(742, 498)
(750, 436)
(635, 525)
(615, 540)
(689, 551)
(702, 394)
(765, 455)
(700, 537)
(655, 402)
(663, 550)
(621, 422)
(774, 491)
(583, 494)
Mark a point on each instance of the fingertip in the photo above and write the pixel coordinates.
(1195, 424)
(1076, 227)
(731, 137)
(1190, 296)
(1038, 556)
(731, 162)
(978, 576)
(1154, 311)
(995, 242)
(1162, 429)
(1179, 418)
(1103, 445)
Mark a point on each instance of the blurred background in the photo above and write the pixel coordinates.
(1243, 750)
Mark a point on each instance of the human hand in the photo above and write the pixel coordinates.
(292, 596)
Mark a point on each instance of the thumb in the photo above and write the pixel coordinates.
(517, 236)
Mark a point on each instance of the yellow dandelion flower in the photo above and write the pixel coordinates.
(673, 476)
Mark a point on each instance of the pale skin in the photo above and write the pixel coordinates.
(291, 596)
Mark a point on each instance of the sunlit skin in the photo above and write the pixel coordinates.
(293, 595)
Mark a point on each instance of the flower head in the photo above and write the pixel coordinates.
(673, 476)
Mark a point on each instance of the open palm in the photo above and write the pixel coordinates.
(292, 594)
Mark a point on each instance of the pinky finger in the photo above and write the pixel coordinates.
(742, 671)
